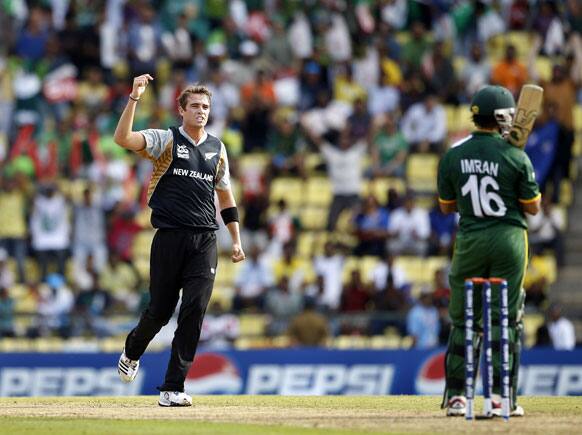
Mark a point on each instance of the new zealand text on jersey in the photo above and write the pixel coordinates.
(475, 166)
(192, 174)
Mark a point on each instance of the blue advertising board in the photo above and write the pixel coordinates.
(302, 371)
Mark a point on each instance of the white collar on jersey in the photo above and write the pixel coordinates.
(192, 141)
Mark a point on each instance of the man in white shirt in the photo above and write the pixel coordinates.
(545, 230)
(50, 228)
(344, 168)
(252, 282)
(424, 125)
(409, 229)
(561, 330)
(330, 266)
(379, 275)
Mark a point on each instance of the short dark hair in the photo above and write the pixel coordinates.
(190, 90)
(485, 121)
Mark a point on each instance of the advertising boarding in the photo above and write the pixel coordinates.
(274, 371)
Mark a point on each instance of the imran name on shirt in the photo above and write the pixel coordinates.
(476, 166)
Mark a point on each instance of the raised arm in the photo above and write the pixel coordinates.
(124, 136)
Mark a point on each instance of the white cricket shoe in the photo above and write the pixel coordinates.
(497, 410)
(127, 368)
(456, 406)
(174, 398)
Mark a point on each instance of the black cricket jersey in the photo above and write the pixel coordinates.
(181, 191)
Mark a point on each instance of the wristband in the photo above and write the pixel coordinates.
(229, 215)
(134, 99)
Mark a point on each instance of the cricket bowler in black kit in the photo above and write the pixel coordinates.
(189, 166)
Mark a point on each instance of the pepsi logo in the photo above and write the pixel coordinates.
(213, 373)
(431, 376)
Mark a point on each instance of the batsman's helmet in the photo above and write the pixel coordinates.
(493, 102)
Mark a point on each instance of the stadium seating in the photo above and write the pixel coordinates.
(421, 172)
(289, 189)
(318, 191)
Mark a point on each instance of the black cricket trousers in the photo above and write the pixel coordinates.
(180, 259)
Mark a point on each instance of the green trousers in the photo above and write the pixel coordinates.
(498, 252)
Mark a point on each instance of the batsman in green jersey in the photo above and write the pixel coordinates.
(492, 185)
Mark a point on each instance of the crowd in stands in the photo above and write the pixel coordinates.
(323, 106)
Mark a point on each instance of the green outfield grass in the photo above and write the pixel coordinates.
(242, 415)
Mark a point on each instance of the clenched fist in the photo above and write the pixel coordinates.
(237, 253)
(139, 85)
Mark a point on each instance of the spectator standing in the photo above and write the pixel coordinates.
(387, 272)
(50, 228)
(423, 322)
(122, 231)
(225, 97)
(286, 145)
(424, 124)
(300, 36)
(443, 228)
(345, 88)
(359, 122)
(409, 229)
(356, 295)
(371, 228)
(488, 20)
(6, 314)
(251, 283)
(560, 93)
(561, 329)
(219, 328)
(344, 167)
(277, 49)
(120, 280)
(55, 305)
(89, 236)
(178, 44)
(394, 13)
(283, 225)
(13, 228)
(329, 268)
(547, 25)
(292, 266)
(337, 39)
(437, 68)
(282, 304)
(258, 99)
(389, 148)
(476, 72)
(308, 328)
(6, 275)
(415, 48)
(385, 97)
(312, 83)
(31, 42)
(510, 72)
(144, 41)
(545, 231)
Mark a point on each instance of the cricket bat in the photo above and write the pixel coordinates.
(526, 112)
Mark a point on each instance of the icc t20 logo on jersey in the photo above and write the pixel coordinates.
(183, 152)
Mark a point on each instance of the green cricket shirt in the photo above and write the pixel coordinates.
(488, 179)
